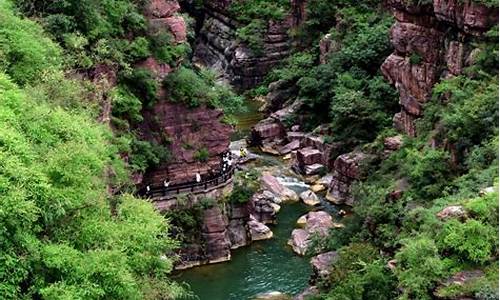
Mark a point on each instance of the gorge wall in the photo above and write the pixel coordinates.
(431, 41)
(218, 47)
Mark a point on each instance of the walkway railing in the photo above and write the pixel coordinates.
(160, 191)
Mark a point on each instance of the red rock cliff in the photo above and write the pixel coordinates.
(431, 41)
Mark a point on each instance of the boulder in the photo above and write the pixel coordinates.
(267, 129)
(292, 146)
(259, 231)
(309, 156)
(321, 264)
(453, 211)
(295, 136)
(263, 207)
(318, 188)
(319, 222)
(161, 8)
(487, 190)
(237, 233)
(314, 169)
(272, 296)
(348, 168)
(309, 198)
(302, 221)
(299, 241)
(393, 143)
(306, 294)
(271, 183)
(463, 278)
(316, 223)
(325, 180)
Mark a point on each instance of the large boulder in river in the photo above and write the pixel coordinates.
(299, 241)
(309, 198)
(272, 184)
(317, 223)
(263, 207)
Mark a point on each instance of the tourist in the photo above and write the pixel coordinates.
(148, 190)
(243, 152)
(198, 177)
(166, 183)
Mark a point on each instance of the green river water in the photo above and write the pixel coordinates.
(264, 266)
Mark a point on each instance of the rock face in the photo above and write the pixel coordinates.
(430, 42)
(185, 132)
(316, 223)
(237, 229)
(217, 45)
(454, 211)
(259, 231)
(348, 168)
(459, 279)
(264, 207)
(309, 198)
(322, 263)
(218, 245)
(272, 184)
(161, 15)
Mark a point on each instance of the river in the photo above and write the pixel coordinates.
(264, 266)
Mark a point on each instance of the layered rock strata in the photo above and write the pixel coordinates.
(218, 47)
(348, 168)
(431, 41)
(185, 133)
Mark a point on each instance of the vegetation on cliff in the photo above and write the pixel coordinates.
(453, 157)
(65, 234)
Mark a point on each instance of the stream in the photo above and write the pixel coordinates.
(263, 266)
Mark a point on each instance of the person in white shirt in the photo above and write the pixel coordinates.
(198, 177)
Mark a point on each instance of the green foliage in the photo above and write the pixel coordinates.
(419, 267)
(415, 58)
(358, 273)
(59, 237)
(126, 105)
(200, 88)
(144, 154)
(142, 83)
(101, 25)
(201, 155)
(253, 35)
(26, 53)
(241, 194)
(428, 171)
(471, 240)
(347, 91)
(255, 15)
(165, 49)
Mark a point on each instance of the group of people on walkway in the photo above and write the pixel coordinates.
(227, 161)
